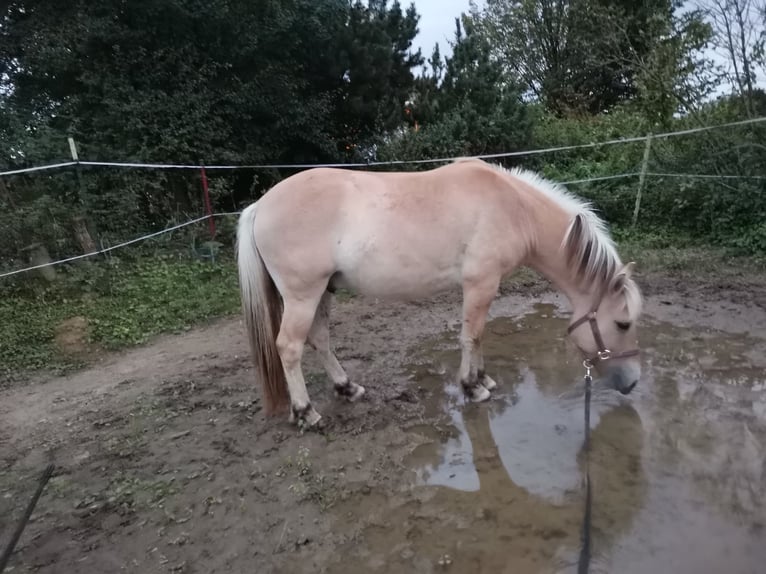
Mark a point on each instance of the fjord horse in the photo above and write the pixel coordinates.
(409, 235)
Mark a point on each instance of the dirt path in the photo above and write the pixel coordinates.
(166, 463)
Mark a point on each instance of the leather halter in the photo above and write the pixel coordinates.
(603, 354)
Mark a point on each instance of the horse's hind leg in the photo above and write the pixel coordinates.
(297, 319)
(477, 298)
(319, 339)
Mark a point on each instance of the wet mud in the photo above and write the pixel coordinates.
(166, 462)
(677, 468)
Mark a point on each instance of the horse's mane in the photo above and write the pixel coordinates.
(590, 249)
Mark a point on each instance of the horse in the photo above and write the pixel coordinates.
(414, 234)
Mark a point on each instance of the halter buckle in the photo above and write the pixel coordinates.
(604, 355)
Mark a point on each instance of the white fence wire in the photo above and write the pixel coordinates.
(139, 165)
(377, 163)
(119, 245)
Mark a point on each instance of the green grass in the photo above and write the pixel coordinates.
(658, 252)
(124, 304)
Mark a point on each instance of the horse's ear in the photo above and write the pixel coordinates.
(618, 283)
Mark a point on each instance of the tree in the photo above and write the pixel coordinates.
(576, 56)
(739, 33)
(473, 110)
(675, 76)
(183, 81)
(377, 65)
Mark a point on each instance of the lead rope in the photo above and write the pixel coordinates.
(584, 562)
(6, 556)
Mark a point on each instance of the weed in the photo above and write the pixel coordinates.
(310, 485)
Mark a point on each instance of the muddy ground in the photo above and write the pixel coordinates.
(167, 463)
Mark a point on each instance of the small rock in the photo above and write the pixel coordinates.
(82, 457)
(407, 554)
(181, 540)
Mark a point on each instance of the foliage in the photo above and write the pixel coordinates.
(726, 212)
(675, 76)
(379, 62)
(576, 56)
(183, 81)
(472, 112)
(739, 33)
(123, 303)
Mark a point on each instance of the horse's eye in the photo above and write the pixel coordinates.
(623, 326)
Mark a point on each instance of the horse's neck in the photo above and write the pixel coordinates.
(550, 260)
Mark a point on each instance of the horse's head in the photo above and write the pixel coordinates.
(605, 331)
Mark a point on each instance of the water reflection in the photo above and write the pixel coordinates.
(678, 467)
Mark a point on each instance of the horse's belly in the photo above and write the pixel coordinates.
(400, 272)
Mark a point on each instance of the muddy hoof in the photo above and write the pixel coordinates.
(488, 383)
(306, 417)
(476, 393)
(350, 391)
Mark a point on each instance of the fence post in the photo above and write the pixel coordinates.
(79, 221)
(78, 175)
(642, 177)
(208, 206)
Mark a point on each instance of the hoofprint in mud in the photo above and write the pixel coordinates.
(411, 235)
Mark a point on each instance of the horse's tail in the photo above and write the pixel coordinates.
(262, 310)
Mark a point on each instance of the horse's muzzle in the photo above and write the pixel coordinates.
(622, 377)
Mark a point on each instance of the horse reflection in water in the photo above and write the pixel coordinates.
(513, 502)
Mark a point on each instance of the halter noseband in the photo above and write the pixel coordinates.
(603, 354)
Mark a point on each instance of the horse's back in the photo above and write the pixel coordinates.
(395, 234)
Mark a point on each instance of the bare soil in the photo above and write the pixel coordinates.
(165, 461)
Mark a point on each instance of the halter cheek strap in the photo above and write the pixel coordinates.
(603, 354)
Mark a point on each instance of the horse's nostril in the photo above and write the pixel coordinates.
(626, 391)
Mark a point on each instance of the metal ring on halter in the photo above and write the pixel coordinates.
(605, 355)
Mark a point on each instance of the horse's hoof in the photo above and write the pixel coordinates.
(306, 417)
(488, 383)
(477, 393)
(350, 391)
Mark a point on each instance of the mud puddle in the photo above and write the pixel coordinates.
(677, 467)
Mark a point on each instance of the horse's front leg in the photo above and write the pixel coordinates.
(477, 298)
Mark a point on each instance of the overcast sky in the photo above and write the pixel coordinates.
(437, 23)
